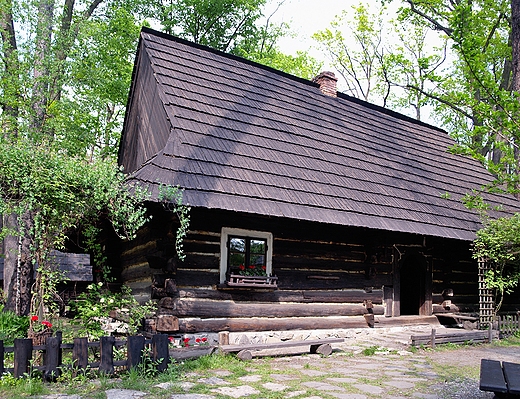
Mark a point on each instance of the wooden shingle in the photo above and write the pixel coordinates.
(243, 137)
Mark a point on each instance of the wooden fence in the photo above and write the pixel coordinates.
(50, 355)
(508, 324)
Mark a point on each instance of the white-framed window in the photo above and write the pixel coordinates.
(245, 250)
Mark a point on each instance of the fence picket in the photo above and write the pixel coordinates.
(508, 324)
(2, 357)
(51, 354)
(160, 351)
(80, 353)
(22, 356)
(52, 358)
(134, 348)
(106, 349)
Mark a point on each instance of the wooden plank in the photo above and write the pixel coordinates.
(512, 376)
(491, 376)
(160, 351)
(329, 296)
(2, 357)
(52, 358)
(276, 345)
(23, 355)
(475, 336)
(106, 349)
(80, 353)
(135, 347)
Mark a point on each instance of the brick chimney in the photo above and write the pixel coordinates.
(327, 81)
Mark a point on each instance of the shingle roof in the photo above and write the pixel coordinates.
(247, 138)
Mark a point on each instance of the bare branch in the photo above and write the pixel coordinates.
(434, 22)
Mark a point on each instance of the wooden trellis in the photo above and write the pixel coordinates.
(486, 297)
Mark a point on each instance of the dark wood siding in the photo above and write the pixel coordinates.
(147, 127)
(333, 268)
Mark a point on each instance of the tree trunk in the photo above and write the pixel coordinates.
(18, 265)
(515, 43)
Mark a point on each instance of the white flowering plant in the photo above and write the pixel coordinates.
(94, 306)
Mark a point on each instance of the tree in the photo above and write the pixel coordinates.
(477, 101)
(43, 77)
(357, 56)
(498, 243)
(222, 24)
(64, 79)
(396, 73)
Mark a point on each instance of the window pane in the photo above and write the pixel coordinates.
(258, 246)
(236, 260)
(237, 245)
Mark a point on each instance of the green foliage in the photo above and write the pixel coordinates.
(222, 24)
(94, 306)
(171, 198)
(499, 244)
(12, 326)
(474, 97)
(62, 193)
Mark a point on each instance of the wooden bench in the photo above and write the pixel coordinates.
(501, 378)
(244, 352)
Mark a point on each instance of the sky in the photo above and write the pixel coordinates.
(306, 17)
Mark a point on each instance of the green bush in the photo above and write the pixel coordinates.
(12, 326)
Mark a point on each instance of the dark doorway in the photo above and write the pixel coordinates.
(413, 278)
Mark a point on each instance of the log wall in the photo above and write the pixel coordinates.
(324, 271)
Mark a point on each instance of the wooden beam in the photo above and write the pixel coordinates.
(269, 324)
(214, 309)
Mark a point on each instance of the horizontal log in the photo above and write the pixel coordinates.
(207, 309)
(269, 324)
(333, 296)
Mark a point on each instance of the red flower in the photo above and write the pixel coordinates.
(186, 341)
(197, 340)
(170, 339)
(47, 324)
(204, 339)
(251, 266)
(242, 267)
(263, 267)
(34, 318)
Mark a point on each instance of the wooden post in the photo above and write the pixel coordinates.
(134, 349)
(490, 333)
(80, 353)
(160, 351)
(223, 338)
(433, 338)
(52, 358)
(2, 356)
(22, 356)
(106, 350)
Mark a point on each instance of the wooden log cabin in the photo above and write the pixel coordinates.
(354, 208)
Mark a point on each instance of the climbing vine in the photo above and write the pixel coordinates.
(53, 194)
(171, 198)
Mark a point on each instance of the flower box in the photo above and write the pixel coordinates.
(237, 280)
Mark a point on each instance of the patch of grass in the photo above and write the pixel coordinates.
(513, 340)
(371, 350)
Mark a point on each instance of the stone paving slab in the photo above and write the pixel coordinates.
(385, 375)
